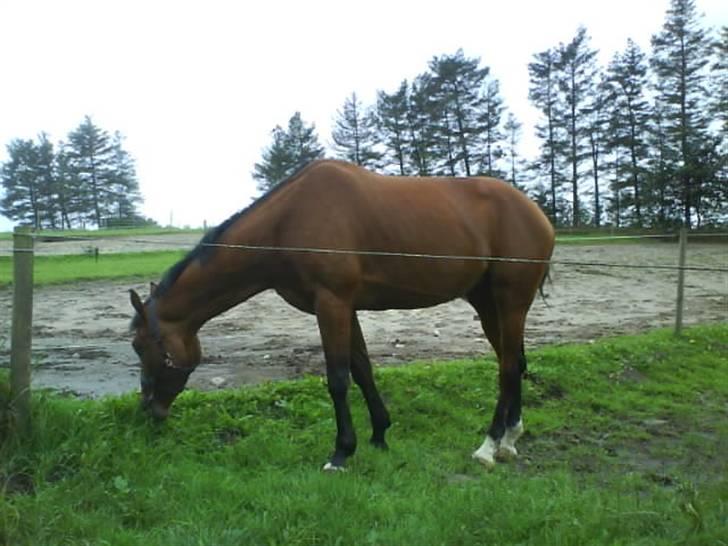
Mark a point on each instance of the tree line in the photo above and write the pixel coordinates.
(640, 142)
(88, 179)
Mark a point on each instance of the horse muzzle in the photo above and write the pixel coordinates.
(151, 405)
(154, 408)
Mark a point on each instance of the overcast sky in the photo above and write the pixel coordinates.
(196, 87)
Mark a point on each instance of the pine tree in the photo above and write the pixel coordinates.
(597, 116)
(614, 201)
(513, 134)
(67, 189)
(457, 83)
(123, 191)
(354, 134)
(90, 154)
(392, 124)
(489, 122)
(627, 85)
(577, 70)
(719, 69)
(46, 183)
(28, 179)
(19, 177)
(662, 163)
(680, 57)
(290, 150)
(422, 116)
(543, 93)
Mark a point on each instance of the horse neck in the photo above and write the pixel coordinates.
(210, 287)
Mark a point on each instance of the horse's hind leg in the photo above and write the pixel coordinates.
(502, 311)
(514, 421)
(361, 371)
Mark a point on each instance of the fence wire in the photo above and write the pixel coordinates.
(413, 255)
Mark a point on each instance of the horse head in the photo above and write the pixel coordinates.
(167, 357)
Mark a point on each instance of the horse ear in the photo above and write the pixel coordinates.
(136, 303)
(152, 288)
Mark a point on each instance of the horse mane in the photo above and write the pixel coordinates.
(203, 251)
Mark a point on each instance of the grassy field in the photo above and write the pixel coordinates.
(103, 233)
(77, 267)
(625, 445)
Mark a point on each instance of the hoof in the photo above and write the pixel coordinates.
(485, 453)
(506, 453)
(485, 460)
(330, 467)
(379, 444)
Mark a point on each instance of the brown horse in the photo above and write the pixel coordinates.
(392, 243)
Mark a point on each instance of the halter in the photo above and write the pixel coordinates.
(153, 323)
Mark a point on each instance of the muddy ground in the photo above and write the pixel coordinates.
(81, 341)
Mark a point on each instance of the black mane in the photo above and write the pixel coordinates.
(202, 251)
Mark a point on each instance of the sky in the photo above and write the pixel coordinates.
(197, 86)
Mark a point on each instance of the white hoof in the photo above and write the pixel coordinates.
(328, 467)
(487, 462)
(506, 453)
(507, 448)
(485, 454)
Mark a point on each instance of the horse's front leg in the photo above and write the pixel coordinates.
(334, 320)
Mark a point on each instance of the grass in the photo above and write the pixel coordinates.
(78, 267)
(103, 233)
(625, 444)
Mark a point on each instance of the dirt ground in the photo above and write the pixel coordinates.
(81, 342)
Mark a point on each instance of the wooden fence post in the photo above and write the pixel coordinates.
(21, 336)
(680, 281)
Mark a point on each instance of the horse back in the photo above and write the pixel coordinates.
(397, 241)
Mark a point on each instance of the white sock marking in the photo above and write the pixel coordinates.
(328, 467)
(485, 454)
(507, 449)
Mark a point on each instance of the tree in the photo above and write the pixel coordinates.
(20, 181)
(354, 134)
(489, 122)
(662, 163)
(457, 82)
(28, 179)
(67, 189)
(627, 84)
(290, 150)
(123, 190)
(88, 178)
(47, 182)
(719, 69)
(513, 136)
(597, 129)
(543, 93)
(577, 69)
(680, 56)
(422, 115)
(392, 124)
(90, 154)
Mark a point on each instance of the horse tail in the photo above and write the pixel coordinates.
(546, 277)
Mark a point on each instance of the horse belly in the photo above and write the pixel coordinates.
(426, 285)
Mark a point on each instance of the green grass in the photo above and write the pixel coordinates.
(101, 233)
(625, 445)
(77, 267)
